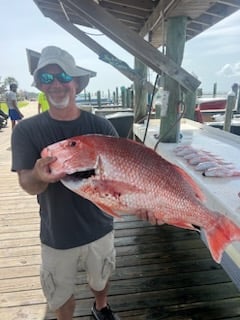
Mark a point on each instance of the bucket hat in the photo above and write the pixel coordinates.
(55, 55)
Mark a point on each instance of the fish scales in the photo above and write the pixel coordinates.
(131, 178)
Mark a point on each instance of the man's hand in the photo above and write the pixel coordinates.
(36, 180)
(42, 172)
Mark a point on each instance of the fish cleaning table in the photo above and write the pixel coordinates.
(222, 193)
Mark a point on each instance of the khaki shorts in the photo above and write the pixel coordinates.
(59, 268)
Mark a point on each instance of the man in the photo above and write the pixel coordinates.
(235, 90)
(74, 232)
(13, 111)
(42, 102)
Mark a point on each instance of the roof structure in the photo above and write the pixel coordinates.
(139, 27)
(148, 16)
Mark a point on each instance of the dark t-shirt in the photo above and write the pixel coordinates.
(67, 220)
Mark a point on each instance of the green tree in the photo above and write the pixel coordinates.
(9, 80)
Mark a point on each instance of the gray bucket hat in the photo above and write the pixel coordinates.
(55, 55)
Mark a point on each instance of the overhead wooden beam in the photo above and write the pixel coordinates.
(144, 5)
(102, 53)
(229, 3)
(159, 13)
(132, 42)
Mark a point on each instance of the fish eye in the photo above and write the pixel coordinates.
(72, 143)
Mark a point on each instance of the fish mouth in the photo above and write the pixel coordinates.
(81, 175)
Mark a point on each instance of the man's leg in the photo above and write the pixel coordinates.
(101, 297)
(66, 311)
(58, 277)
(13, 124)
(101, 309)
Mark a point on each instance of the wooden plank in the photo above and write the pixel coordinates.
(157, 17)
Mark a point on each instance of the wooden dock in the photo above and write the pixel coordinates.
(162, 272)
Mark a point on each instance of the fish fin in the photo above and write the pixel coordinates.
(184, 225)
(107, 210)
(199, 194)
(222, 234)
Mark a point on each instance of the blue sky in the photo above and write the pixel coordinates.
(213, 56)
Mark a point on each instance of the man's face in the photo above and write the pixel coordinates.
(60, 95)
(14, 88)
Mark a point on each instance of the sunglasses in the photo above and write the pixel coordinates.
(48, 78)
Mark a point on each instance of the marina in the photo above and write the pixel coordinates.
(162, 272)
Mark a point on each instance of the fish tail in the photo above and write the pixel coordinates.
(220, 235)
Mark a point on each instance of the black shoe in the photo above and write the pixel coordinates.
(104, 314)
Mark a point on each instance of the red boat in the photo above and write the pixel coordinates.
(207, 107)
(211, 103)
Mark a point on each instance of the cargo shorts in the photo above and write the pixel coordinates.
(59, 268)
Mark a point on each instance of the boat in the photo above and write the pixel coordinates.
(219, 123)
(214, 103)
(206, 107)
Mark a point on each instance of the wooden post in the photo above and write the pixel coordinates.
(175, 42)
(190, 105)
(117, 98)
(231, 99)
(99, 98)
(89, 97)
(123, 96)
(129, 96)
(214, 90)
(140, 103)
(114, 97)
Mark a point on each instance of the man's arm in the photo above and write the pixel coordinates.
(36, 180)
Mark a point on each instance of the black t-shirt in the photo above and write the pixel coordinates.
(67, 219)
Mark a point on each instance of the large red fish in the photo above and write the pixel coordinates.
(122, 176)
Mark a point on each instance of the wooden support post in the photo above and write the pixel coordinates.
(231, 99)
(99, 98)
(89, 97)
(117, 97)
(190, 105)
(123, 96)
(140, 103)
(214, 89)
(129, 96)
(175, 42)
(114, 97)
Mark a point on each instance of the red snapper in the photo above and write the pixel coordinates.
(122, 176)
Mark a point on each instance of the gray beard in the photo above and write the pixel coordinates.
(59, 105)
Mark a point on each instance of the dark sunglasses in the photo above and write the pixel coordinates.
(48, 78)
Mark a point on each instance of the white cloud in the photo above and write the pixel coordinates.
(230, 70)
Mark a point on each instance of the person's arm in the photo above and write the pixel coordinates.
(39, 107)
(36, 180)
(14, 103)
